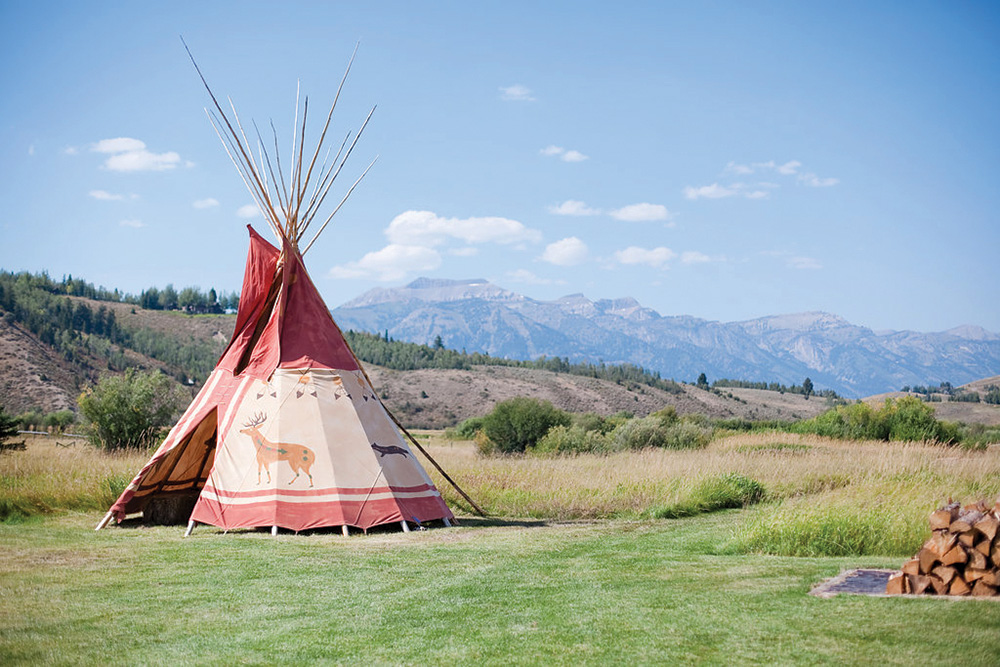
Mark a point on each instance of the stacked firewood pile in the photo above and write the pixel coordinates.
(961, 558)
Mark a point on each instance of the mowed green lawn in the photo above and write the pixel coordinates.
(487, 592)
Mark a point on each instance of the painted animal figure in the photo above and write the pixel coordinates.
(388, 449)
(299, 457)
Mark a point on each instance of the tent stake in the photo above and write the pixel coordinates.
(447, 524)
(406, 528)
(187, 533)
(274, 531)
(344, 529)
(105, 521)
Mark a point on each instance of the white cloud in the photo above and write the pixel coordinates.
(71, 150)
(127, 154)
(428, 229)
(119, 145)
(643, 212)
(567, 252)
(566, 156)
(248, 211)
(103, 195)
(392, 262)
(758, 191)
(516, 93)
(655, 257)
(713, 191)
(741, 169)
(208, 202)
(142, 161)
(135, 224)
(527, 277)
(573, 207)
(788, 168)
(467, 251)
(803, 263)
(812, 180)
(694, 257)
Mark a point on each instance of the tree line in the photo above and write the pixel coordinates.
(189, 299)
(384, 351)
(806, 388)
(990, 395)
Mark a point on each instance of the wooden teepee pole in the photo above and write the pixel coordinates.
(402, 428)
(430, 458)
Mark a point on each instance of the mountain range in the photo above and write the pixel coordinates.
(853, 360)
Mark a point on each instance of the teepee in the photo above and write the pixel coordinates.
(287, 431)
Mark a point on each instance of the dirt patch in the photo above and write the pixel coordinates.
(872, 582)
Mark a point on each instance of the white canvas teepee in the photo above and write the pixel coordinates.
(287, 431)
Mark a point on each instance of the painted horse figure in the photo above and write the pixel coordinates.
(299, 457)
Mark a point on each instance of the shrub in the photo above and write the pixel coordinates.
(571, 440)
(518, 423)
(8, 431)
(908, 418)
(31, 420)
(127, 411)
(653, 432)
(484, 445)
(977, 436)
(855, 422)
(687, 435)
(616, 420)
(466, 430)
(640, 434)
(591, 421)
(60, 419)
(667, 415)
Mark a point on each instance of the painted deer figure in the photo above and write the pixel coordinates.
(299, 457)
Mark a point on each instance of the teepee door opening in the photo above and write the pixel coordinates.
(169, 492)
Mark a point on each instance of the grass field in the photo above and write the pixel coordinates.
(569, 570)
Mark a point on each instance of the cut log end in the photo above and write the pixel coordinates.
(897, 584)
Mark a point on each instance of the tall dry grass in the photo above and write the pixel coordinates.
(822, 496)
(795, 469)
(46, 477)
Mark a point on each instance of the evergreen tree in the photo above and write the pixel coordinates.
(168, 298)
(702, 382)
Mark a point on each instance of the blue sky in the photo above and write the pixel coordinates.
(726, 160)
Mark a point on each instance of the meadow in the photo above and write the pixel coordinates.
(629, 558)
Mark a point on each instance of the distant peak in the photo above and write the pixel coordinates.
(430, 290)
